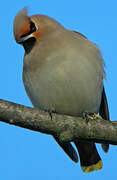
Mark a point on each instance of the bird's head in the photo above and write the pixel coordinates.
(29, 29)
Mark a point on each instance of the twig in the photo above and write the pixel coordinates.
(66, 128)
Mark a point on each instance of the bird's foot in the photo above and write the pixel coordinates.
(86, 116)
(96, 116)
(91, 116)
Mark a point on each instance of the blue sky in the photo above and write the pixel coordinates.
(30, 155)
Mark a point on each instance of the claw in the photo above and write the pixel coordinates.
(91, 116)
(96, 116)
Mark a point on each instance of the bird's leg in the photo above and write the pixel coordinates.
(86, 116)
(50, 113)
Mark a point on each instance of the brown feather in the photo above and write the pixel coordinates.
(21, 24)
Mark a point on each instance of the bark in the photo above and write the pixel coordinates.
(66, 128)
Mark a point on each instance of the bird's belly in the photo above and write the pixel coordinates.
(71, 91)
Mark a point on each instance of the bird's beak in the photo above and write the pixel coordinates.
(21, 40)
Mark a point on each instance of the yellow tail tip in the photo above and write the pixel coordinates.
(93, 167)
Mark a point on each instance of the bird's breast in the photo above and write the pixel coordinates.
(67, 83)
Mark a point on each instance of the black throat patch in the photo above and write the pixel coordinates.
(29, 44)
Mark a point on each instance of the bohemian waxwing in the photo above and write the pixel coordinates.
(63, 73)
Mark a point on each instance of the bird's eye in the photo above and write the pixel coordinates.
(32, 27)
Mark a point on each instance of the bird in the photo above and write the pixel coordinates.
(63, 72)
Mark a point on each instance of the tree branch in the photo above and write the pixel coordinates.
(66, 128)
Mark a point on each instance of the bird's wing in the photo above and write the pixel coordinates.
(68, 148)
(104, 113)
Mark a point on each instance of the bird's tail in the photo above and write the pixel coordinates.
(89, 157)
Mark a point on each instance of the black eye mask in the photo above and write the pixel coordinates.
(32, 29)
